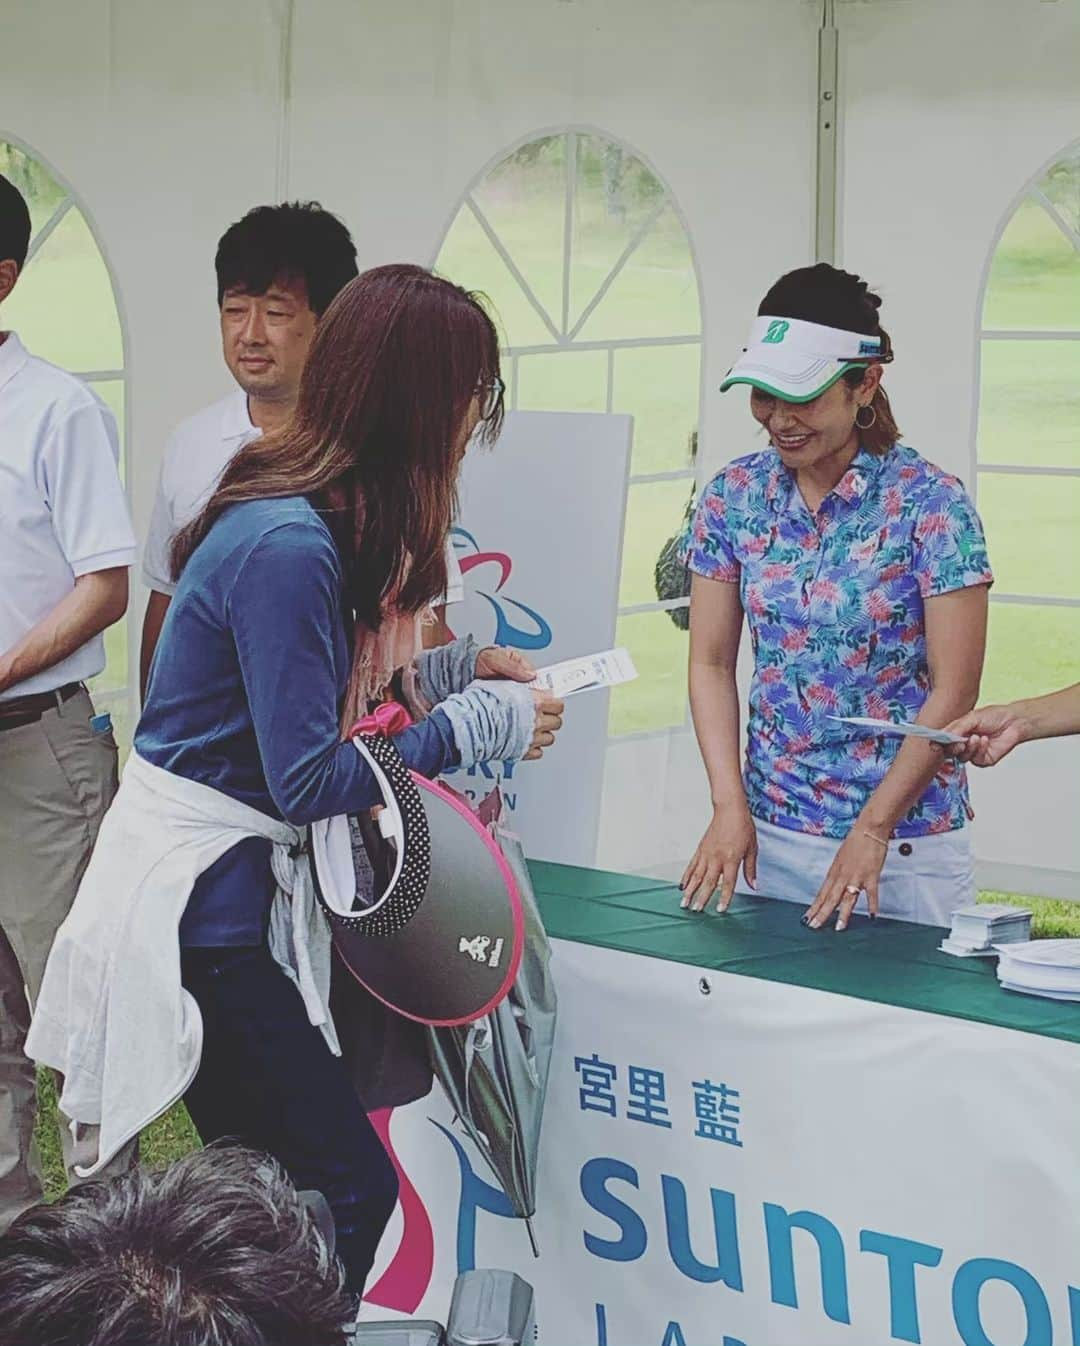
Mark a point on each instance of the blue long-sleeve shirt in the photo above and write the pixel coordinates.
(245, 695)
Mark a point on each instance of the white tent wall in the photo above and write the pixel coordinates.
(169, 121)
(163, 121)
(949, 110)
(396, 113)
(422, 99)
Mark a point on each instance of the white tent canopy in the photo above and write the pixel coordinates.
(163, 123)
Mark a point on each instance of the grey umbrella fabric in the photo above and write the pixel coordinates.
(495, 1070)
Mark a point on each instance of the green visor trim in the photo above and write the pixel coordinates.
(788, 397)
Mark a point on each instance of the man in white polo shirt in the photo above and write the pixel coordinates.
(278, 268)
(65, 548)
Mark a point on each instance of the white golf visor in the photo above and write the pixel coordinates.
(798, 360)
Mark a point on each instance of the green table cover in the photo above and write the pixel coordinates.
(888, 961)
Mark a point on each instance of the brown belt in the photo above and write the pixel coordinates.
(22, 710)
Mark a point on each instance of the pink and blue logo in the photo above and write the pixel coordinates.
(516, 624)
(405, 1282)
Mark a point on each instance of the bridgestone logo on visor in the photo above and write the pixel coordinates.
(778, 330)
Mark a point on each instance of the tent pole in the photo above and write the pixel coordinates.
(827, 112)
(281, 175)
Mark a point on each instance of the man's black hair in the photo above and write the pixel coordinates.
(216, 1250)
(296, 241)
(14, 224)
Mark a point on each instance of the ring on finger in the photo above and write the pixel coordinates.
(852, 888)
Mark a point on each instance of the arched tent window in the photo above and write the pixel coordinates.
(581, 248)
(65, 310)
(1029, 437)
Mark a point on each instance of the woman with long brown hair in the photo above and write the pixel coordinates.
(301, 589)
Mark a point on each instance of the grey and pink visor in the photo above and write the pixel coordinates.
(423, 906)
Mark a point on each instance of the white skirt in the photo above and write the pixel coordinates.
(924, 879)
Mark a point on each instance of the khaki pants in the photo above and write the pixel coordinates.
(57, 778)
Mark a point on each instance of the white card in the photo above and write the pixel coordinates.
(965, 950)
(892, 730)
(587, 674)
(1046, 952)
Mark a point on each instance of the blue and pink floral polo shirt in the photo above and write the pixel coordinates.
(835, 610)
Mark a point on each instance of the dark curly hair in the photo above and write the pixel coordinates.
(216, 1250)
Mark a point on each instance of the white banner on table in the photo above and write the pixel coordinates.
(540, 546)
(765, 1165)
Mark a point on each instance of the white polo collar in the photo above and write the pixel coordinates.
(236, 422)
(13, 356)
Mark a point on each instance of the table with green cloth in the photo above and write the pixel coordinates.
(890, 962)
(757, 1134)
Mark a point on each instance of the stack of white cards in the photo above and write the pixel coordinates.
(978, 929)
(1046, 967)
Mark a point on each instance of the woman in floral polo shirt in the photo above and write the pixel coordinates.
(862, 572)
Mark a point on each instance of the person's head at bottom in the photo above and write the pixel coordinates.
(216, 1250)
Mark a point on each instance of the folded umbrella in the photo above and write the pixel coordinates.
(432, 910)
(495, 1070)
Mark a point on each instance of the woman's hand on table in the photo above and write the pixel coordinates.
(856, 869)
(499, 662)
(730, 842)
(549, 713)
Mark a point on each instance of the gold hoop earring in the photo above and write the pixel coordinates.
(865, 425)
